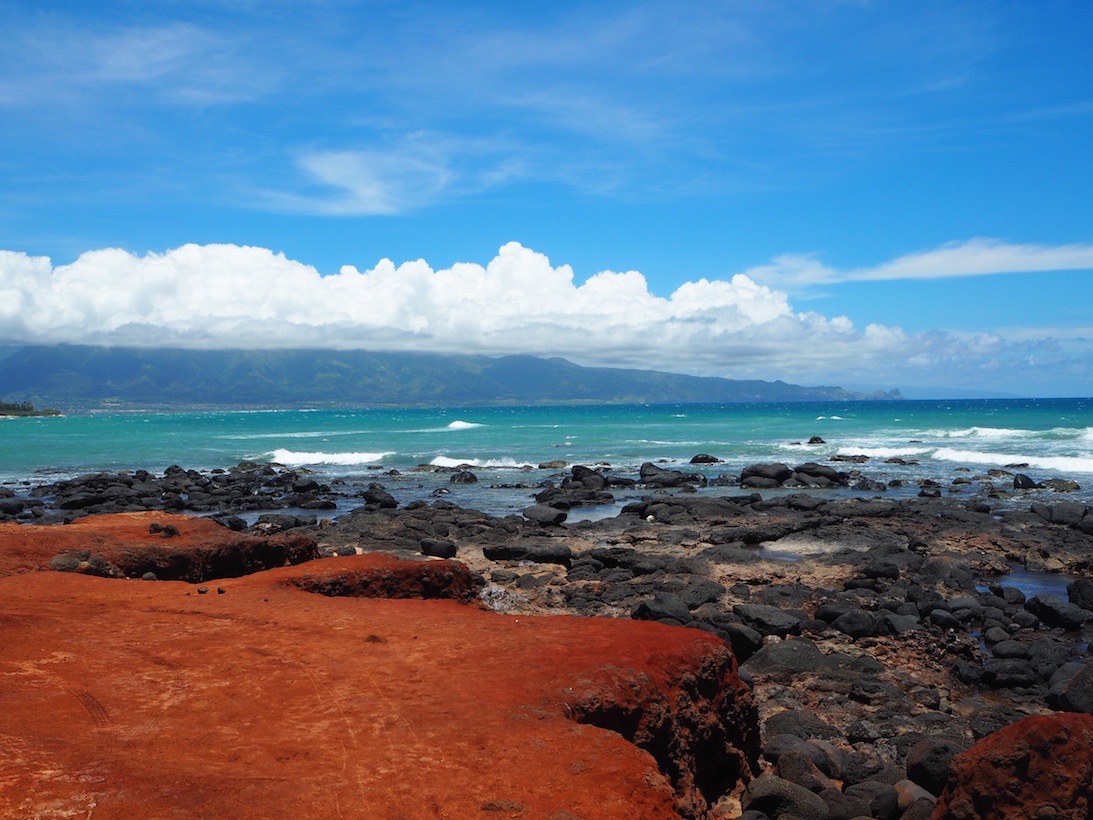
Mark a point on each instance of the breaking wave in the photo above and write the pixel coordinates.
(463, 425)
(291, 458)
(1062, 464)
(489, 463)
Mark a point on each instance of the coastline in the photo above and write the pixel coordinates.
(869, 630)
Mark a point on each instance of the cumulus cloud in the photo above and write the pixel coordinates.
(975, 257)
(214, 296)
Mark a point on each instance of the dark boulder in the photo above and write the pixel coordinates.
(705, 458)
(588, 478)
(797, 766)
(1080, 593)
(858, 623)
(821, 471)
(768, 620)
(776, 472)
(438, 548)
(662, 606)
(777, 797)
(463, 477)
(1075, 694)
(881, 798)
(526, 550)
(545, 516)
(1023, 482)
(789, 657)
(1054, 611)
(928, 762)
(376, 495)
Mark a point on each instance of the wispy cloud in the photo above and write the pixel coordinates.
(172, 62)
(401, 175)
(974, 257)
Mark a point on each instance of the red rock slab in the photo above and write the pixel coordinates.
(378, 575)
(201, 550)
(123, 698)
(1037, 767)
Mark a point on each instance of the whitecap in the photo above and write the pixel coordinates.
(463, 425)
(490, 463)
(989, 432)
(1062, 464)
(292, 458)
(883, 452)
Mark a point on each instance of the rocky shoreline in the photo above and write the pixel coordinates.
(881, 638)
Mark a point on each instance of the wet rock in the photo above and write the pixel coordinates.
(1023, 482)
(463, 477)
(377, 495)
(761, 475)
(705, 458)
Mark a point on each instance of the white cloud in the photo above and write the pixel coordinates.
(172, 61)
(415, 171)
(974, 257)
(212, 296)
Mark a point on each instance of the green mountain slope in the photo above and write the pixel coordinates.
(82, 376)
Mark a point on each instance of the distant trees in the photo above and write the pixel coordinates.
(24, 408)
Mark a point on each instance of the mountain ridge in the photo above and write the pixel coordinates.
(88, 377)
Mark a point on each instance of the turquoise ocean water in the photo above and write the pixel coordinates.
(1053, 437)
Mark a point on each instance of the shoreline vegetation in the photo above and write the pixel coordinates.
(24, 409)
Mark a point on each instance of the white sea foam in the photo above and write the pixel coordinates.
(989, 432)
(463, 425)
(310, 434)
(489, 463)
(1062, 464)
(883, 452)
(292, 458)
(830, 418)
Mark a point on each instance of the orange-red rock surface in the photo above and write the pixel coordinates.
(201, 549)
(1036, 767)
(126, 698)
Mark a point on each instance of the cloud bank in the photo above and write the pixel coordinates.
(220, 296)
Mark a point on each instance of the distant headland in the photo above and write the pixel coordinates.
(76, 376)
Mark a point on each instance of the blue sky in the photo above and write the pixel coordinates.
(876, 194)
